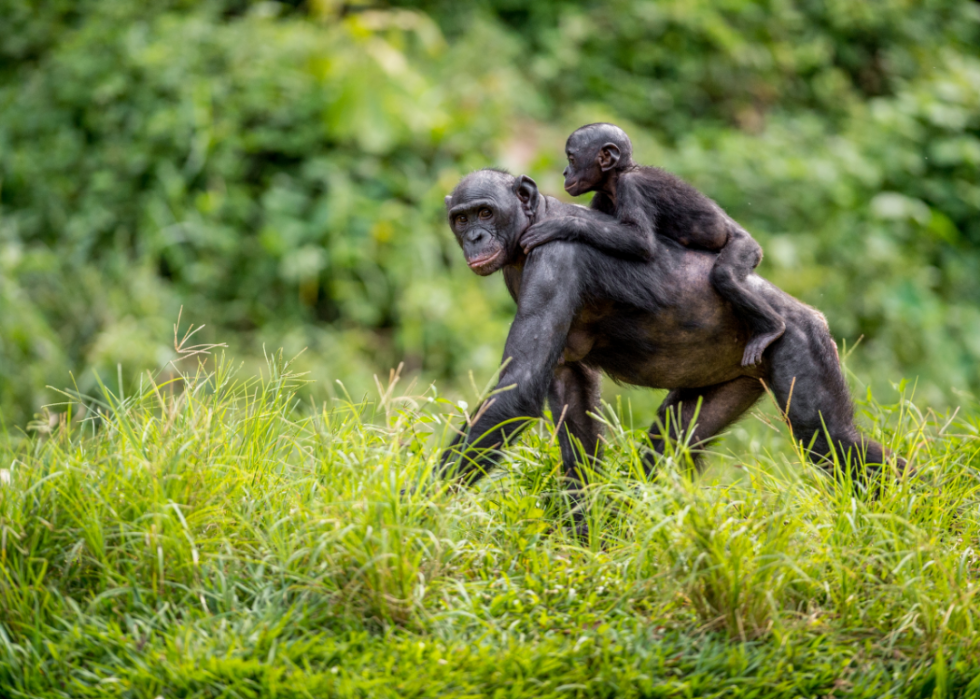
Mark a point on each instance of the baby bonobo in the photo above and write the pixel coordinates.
(647, 201)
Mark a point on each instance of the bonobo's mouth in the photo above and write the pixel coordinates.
(483, 265)
(572, 188)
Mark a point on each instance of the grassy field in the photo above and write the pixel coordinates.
(207, 535)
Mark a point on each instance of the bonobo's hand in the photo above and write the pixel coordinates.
(545, 232)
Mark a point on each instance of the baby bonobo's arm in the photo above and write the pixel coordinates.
(630, 236)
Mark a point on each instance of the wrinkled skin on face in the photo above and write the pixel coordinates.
(487, 212)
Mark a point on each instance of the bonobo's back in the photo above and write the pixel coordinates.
(681, 212)
(676, 275)
(637, 283)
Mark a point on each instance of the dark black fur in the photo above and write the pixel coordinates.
(656, 323)
(649, 201)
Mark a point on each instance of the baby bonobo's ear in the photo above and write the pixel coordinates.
(608, 157)
(527, 192)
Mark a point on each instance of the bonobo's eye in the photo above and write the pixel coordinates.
(460, 219)
(571, 160)
(485, 213)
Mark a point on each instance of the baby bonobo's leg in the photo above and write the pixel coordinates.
(736, 261)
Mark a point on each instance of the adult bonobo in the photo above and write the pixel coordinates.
(657, 323)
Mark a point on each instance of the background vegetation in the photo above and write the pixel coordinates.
(278, 169)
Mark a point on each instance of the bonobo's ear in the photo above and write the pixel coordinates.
(608, 157)
(527, 192)
(449, 200)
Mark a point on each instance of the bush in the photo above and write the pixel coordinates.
(278, 170)
(263, 172)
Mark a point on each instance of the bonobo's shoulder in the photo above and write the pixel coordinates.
(649, 174)
(555, 209)
(552, 271)
(646, 170)
(665, 187)
(559, 261)
(557, 253)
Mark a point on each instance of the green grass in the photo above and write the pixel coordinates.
(209, 536)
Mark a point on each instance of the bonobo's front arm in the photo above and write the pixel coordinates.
(550, 293)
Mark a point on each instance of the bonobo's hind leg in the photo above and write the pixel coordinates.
(721, 405)
(730, 277)
(574, 392)
(809, 387)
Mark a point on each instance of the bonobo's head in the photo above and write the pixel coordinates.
(488, 212)
(593, 152)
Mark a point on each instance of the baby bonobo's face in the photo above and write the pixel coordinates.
(583, 173)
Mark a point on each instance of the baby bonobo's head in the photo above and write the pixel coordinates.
(594, 152)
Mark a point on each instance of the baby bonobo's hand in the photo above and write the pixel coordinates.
(544, 232)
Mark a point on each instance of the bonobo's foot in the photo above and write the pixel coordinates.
(896, 468)
(540, 233)
(758, 343)
(869, 473)
(904, 468)
(650, 458)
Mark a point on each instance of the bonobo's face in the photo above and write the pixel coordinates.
(488, 211)
(584, 173)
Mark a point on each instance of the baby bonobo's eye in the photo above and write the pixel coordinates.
(460, 219)
(485, 213)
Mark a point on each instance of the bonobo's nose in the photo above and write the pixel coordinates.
(476, 235)
(564, 172)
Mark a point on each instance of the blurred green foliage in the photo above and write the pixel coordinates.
(278, 169)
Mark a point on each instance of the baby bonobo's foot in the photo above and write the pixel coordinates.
(758, 343)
